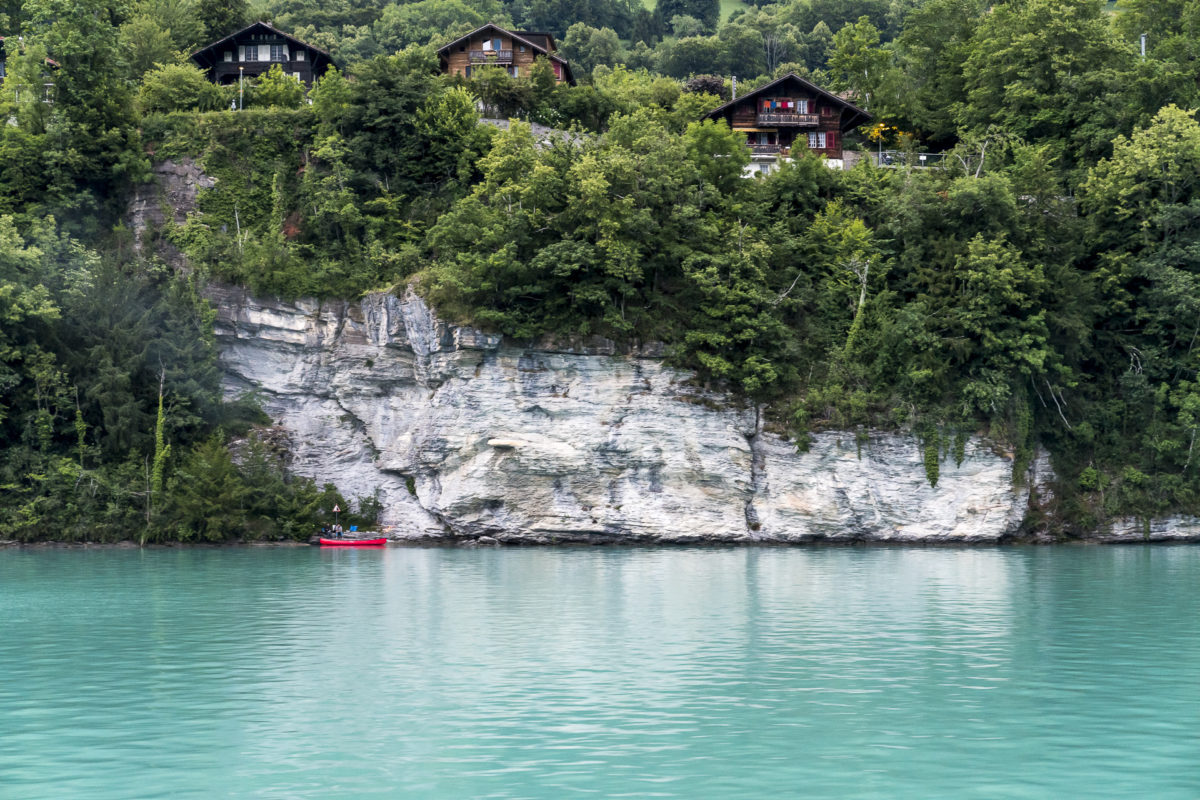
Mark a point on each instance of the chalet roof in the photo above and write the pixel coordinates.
(531, 35)
(264, 27)
(856, 118)
(516, 35)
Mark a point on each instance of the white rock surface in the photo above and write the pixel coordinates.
(1164, 529)
(572, 442)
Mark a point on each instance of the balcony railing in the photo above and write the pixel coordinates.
(491, 56)
(769, 150)
(899, 158)
(777, 118)
(256, 66)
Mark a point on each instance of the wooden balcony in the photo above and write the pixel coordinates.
(491, 56)
(228, 71)
(769, 150)
(776, 118)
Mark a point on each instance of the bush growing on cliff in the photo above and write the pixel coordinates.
(176, 87)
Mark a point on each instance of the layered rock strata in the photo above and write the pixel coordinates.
(466, 435)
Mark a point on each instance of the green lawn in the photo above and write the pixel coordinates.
(730, 6)
(727, 6)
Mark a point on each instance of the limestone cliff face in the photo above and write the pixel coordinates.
(466, 435)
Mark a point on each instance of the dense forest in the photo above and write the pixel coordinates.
(1037, 285)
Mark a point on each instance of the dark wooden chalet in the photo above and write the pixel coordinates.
(253, 50)
(515, 51)
(790, 114)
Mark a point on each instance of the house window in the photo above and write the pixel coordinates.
(300, 55)
(826, 111)
(522, 48)
(817, 141)
(513, 72)
(278, 52)
(241, 52)
(467, 72)
(228, 55)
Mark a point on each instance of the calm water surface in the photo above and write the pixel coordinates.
(841, 673)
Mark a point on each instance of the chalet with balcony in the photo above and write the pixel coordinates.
(252, 51)
(513, 51)
(789, 116)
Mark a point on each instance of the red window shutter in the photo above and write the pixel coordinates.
(831, 140)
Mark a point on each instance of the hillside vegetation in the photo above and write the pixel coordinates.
(1038, 286)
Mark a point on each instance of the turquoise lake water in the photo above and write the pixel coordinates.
(1067, 672)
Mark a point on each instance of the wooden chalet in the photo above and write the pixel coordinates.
(514, 51)
(790, 115)
(253, 50)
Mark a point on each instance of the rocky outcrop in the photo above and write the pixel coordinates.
(1130, 530)
(171, 196)
(465, 435)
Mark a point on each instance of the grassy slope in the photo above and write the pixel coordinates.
(727, 6)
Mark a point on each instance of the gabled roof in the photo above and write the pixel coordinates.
(537, 48)
(265, 27)
(549, 37)
(853, 120)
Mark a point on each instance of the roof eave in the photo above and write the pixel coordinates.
(445, 48)
(719, 110)
(270, 27)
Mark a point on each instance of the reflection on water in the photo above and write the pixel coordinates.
(548, 673)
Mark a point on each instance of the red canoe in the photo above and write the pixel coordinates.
(380, 542)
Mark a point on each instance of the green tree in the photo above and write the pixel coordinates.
(208, 498)
(693, 56)
(857, 64)
(278, 89)
(331, 98)
(90, 127)
(1049, 72)
(423, 21)
(586, 47)
(734, 335)
(707, 11)
(146, 44)
(932, 49)
(176, 87)
(221, 17)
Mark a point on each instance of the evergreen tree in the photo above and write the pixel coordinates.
(221, 17)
